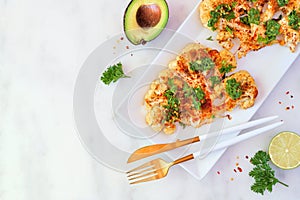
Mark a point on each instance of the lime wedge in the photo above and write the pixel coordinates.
(284, 150)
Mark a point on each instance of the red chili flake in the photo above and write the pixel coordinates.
(229, 117)
(287, 108)
(240, 169)
(234, 170)
(246, 157)
(218, 172)
(122, 38)
(280, 102)
(287, 92)
(293, 107)
(127, 47)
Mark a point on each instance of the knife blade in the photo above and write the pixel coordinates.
(159, 148)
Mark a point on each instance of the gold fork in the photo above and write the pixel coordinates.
(158, 168)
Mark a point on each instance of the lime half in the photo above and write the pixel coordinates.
(284, 150)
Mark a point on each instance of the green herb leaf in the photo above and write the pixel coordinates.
(282, 2)
(294, 20)
(262, 173)
(196, 95)
(233, 88)
(172, 86)
(210, 38)
(222, 11)
(225, 68)
(172, 108)
(272, 30)
(229, 29)
(202, 65)
(245, 20)
(112, 74)
(254, 16)
(215, 80)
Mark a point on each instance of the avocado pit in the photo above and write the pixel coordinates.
(148, 15)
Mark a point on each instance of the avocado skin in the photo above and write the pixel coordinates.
(137, 34)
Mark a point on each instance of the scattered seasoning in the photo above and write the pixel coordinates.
(131, 54)
(234, 170)
(247, 157)
(280, 102)
(281, 120)
(240, 169)
(287, 92)
(218, 172)
(229, 117)
(231, 179)
(292, 96)
(293, 107)
(127, 47)
(118, 41)
(237, 157)
(237, 164)
(114, 47)
(287, 108)
(122, 38)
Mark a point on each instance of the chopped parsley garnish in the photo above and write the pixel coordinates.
(196, 95)
(112, 74)
(210, 38)
(294, 20)
(229, 29)
(202, 65)
(172, 108)
(225, 68)
(233, 88)
(254, 16)
(272, 30)
(172, 86)
(245, 20)
(262, 173)
(222, 11)
(215, 80)
(282, 2)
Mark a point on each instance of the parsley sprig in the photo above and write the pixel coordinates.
(113, 73)
(262, 173)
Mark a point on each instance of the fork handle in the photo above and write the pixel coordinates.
(183, 159)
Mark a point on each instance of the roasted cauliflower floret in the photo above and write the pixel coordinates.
(241, 90)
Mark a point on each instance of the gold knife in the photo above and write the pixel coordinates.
(159, 148)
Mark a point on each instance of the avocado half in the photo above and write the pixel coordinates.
(144, 20)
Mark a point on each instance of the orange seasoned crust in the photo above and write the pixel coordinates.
(251, 34)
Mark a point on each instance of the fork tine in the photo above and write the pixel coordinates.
(135, 173)
(150, 178)
(142, 175)
(147, 164)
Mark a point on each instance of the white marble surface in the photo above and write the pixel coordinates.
(42, 47)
